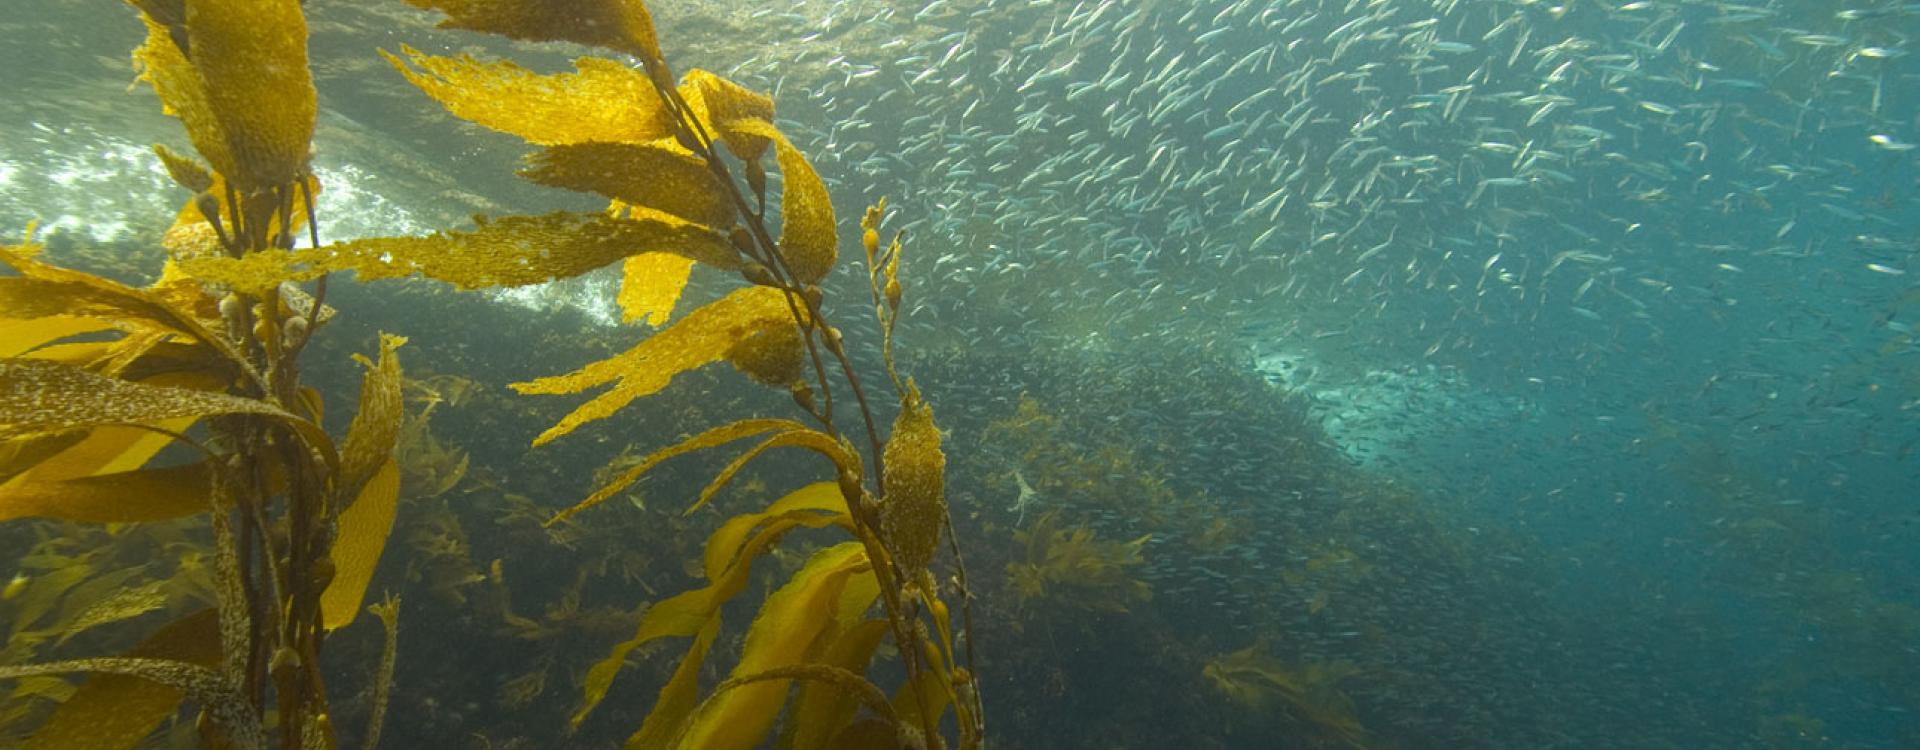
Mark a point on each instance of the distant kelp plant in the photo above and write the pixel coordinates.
(99, 377)
(660, 152)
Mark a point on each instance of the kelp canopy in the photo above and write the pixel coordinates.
(101, 376)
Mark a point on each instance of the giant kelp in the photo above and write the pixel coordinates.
(101, 376)
(207, 358)
(665, 155)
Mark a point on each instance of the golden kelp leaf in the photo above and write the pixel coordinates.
(19, 456)
(678, 697)
(86, 355)
(689, 612)
(312, 405)
(913, 506)
(619, 25)
(723, 550)
(788, 623)
(104, 450)
(806, 209)
(200, 682)
(650, 285)
(50, 688)
(1310, 692)
(603, 101)
(720, 105)
(186, 171)
(38, 398)
(717, 436)
(191, 236)
(659, 175)
(927, 696)
(18, 337)
(813, 675)
(684, 614)
(84, 596)
(246, 96)
(701, 338)
(118, 497)
(835, 450)
(510, 251)
(124, 604)
(117, 711)
(873, 733)
(363, 530)
(942, 625)
(252, 57)
(1077, 570)
(376, 426)
(773, 357)
(820, 712)
(230, 593)
(183, 93)
(134, 347)
(42, 290)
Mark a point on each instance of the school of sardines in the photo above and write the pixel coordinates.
(1535, 194)
(1512, 160)
(1532, 190)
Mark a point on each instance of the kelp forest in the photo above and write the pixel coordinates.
(265, 488)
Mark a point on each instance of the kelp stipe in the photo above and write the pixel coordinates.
(660, 152)
(100, 376)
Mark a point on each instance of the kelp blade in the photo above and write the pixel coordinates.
(822, 711)
(789, 621)
(251, 56)
(650, 286)
(376, 426)
(717, 436)
(619, 25)
(505, 252)
(363, 528)
(701, 338)
(118, 497)
(660, 175)
(729, 554)
(807, 239)
(679, 696)
(104, 450)
(39, 398)
(601, 101)
(112, 711)
(720, 105)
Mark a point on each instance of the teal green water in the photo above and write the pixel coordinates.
(1621, 295)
